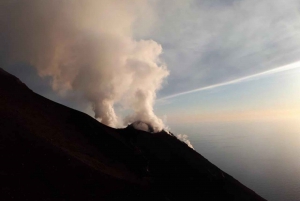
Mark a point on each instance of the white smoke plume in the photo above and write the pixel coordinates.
(139, 125)
(184, 138)
(87, 47)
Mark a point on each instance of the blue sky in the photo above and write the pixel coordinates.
(269, 97)
(209, 43)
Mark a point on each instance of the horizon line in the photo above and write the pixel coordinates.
(238, 80)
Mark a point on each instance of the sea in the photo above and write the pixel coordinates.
(262, 155)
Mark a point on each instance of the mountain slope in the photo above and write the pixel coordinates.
(51, 152)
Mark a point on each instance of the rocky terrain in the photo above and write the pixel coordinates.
(51, 152)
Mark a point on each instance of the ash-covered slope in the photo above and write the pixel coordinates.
(51, 152)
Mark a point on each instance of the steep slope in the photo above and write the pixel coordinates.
(51, 152)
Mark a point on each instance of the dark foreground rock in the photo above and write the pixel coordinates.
(51, 152)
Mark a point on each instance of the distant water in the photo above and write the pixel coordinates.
(264, 156)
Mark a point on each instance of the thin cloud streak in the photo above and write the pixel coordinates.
(235, 81)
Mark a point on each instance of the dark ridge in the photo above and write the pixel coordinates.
(51, 152)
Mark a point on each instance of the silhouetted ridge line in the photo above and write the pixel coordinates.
(51, 152)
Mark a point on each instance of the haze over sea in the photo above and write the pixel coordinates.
(263, 155)
(251, 130)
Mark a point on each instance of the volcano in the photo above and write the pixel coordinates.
(51, 152)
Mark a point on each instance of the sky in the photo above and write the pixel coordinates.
(225, 60)
(269, 97)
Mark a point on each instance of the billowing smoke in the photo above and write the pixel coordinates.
(87, 47)
(184, 138)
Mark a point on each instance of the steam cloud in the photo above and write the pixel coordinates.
(88, 47)
(184, 138)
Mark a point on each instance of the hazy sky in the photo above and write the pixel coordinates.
(212, 42)
(270, 97)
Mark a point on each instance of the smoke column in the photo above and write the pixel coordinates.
(87, 47)
(184, 138)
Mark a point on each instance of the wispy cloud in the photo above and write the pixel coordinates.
(207, 42)
(235, 81)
